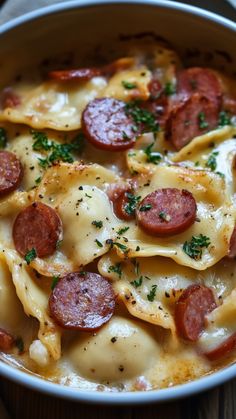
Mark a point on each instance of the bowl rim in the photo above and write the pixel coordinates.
(35, 382)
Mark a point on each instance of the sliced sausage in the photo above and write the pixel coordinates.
(11, 172)
(166, 212)
(6, 340)
(83, 301)
(79, 74)
(200, 80)
(106, 125)
(123, 207)
(190, 311)
(37, 226)
(191, 118)
(223, 350)
(232, 245)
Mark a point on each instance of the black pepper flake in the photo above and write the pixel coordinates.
(167, 294)
(81, 188)
(121, 368)
(114, 339)
(137, 249)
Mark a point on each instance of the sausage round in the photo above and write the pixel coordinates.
(200, 80)
(37, 226)
(80, 74)
(82, 300)
(191, 118)
(190, 311)
(121, 206)
(11, 172)
(6, 340)
(106, 125)
(166, 212)
(223, 350)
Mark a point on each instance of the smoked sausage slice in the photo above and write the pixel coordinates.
(224, 349)
(190, 311)
(106, 125)
(11, 172)
(82, 300)
(37, 227)
(80, 74)
(200, 80)
(166, 212)
(6, 340)
(191, 118)
(124, 205)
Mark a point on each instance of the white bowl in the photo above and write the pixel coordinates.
(82, 25)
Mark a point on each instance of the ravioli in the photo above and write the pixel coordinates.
(215, 214)
(98, 308)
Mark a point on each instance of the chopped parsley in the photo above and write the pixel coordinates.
(57, 151)
(128, 85)
(221, 174)
(146, 207)
(99, 243)
(137, 282)
(20, 344)
(194, 247)
(211, 161)
(55, 280)
(31, 255)
(132, 203)
(3, 138)
(152, 156)
(125, 136)
(122, 230)
(38, 180)
(164, 216)
(120, 246)
(116, 269)
(142, 117)
(202, 121)
(152, 293)
(169, 89)
(97, 224)
(224, 119)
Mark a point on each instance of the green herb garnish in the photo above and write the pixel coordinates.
(116, 269)
(152, 293)
(169, 89)
(132, 203)
(194, 247)
(3, 138)
(128, 85)
(55, 280)
(122, 230)
(152, 156)
(31, 255)
(142, 117)
(97, 224)
(137, 282)
(38, 180)
(99, 243)
(57, 151)
(202, 121)
(224, 119)
(146, 207)
(211, 161)
(164, 216)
